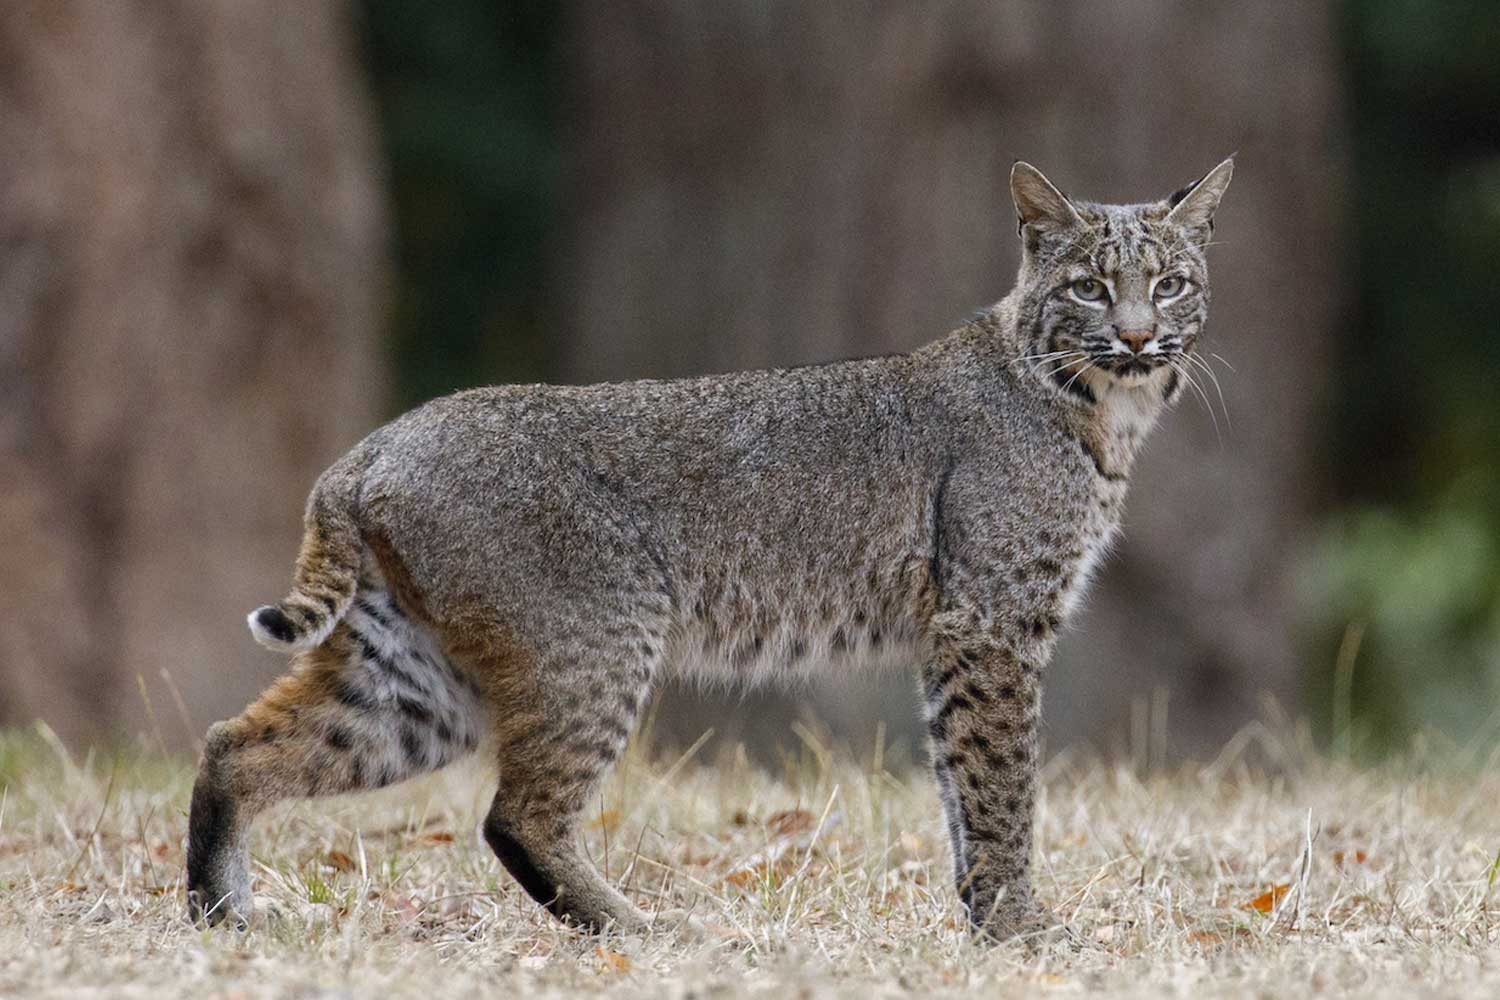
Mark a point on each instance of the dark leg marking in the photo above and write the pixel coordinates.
(351, 694)
(211, 825)
(518, 861)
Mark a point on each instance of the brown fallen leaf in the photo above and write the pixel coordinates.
(744, 877)
(439, 837)
(790, 821)
(1355, 857)
(613, 959)
(1205, 939)
(607, 820)
(1266, 901)
(408, 910)
(340, 861)
(772, 870)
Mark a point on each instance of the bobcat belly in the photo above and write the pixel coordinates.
(790, 650)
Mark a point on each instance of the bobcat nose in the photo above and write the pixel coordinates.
(1136, 340)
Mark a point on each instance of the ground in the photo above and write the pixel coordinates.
(1293, 875)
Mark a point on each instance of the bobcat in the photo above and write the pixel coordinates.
(515, 567)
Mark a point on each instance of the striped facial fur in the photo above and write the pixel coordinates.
(1114, 294)
(513, 568)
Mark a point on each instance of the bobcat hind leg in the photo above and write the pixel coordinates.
(561, 728)
(375, 704)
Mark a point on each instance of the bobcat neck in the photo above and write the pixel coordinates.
(1120, 419)
(1109, 418)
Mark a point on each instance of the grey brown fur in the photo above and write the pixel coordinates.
(515, 567)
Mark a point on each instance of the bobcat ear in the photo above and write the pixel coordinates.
(1038, 201)
(1193, 207)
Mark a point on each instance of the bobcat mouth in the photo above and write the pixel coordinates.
(1136, 366)
(1128, 369)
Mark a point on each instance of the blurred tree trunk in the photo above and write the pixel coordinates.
(190, 247)
(772, 183)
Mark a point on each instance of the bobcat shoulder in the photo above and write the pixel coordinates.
(515, 567)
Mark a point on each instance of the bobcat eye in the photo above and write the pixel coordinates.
(1088, 290)
(1169, 287)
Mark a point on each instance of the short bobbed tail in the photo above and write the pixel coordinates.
(327, 574)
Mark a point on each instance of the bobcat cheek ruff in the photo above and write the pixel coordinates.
(514, 567)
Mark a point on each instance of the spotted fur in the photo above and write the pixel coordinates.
(515, 567)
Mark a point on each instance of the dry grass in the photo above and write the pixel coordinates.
(829, 878)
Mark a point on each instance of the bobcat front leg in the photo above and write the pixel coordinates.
(983, 701)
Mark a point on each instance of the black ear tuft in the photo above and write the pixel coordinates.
(1176, 196)
(1195, 204)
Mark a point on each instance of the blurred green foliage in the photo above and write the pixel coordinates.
(1422, 588)
(1414, 554)
(466, 96)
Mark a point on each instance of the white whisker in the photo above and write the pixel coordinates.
(1064, 366)
(1183, 373)
(1062, 359)
(1194, 359)
(1076, 375)
(1041, 357)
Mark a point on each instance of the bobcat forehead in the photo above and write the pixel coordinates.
(515, 567)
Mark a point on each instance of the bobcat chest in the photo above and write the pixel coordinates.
(1109, 442)
(1096, 533)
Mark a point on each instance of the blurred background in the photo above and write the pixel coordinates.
(236, 236)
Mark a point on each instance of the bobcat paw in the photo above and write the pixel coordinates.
(1030, 925)
(1002, 915)
(210, 907)
(1044, 933)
